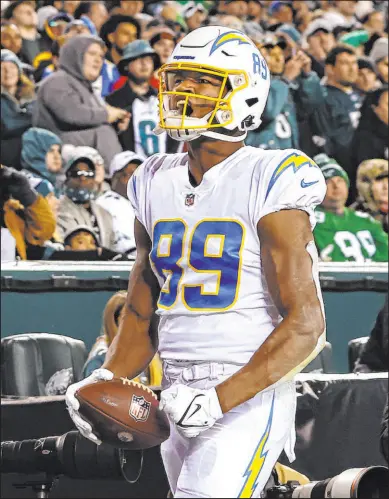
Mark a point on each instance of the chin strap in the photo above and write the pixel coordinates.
(225, 137)
(223, 134)
(179, 135)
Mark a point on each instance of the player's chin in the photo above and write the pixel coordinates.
(201, 110)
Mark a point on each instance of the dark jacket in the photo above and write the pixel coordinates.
(317, 66)
(337, 117)
(124, 98)
(371, 137)
(375, 356)
(16, 117)
(69, 108)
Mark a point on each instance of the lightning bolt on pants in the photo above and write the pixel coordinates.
(235, 457)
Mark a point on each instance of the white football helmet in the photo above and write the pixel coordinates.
(230, 56)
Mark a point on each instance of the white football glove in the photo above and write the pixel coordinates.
(73, 404)
(191, 409)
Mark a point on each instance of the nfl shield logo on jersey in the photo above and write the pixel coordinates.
(189, 199)
(139, 408)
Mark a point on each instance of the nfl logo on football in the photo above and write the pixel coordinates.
(139, 408)
(189, 199)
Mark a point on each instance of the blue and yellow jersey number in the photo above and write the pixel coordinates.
(170, 240)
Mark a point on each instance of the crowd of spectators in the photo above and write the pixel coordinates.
(79, 93)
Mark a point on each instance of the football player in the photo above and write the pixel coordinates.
(226, 257)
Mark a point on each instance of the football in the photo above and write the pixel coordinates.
(123, 413)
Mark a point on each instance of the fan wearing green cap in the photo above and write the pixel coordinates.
(341, 234)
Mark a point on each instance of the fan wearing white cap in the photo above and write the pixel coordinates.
(116, 202)
(227, 259)
(194, 15)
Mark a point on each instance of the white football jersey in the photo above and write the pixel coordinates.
(144, 119)
(214, 302)
(122, 220)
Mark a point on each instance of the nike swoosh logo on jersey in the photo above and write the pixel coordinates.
(307, 184)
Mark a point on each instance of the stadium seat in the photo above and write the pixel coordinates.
(321, 363)
(355, 347)
(38, 364)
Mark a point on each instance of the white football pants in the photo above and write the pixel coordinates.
(235, 457)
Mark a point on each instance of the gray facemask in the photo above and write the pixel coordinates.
(79, 195)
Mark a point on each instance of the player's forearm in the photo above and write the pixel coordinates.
(132, 349)
(290, 345)
(134, 346)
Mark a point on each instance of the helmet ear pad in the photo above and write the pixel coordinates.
(239, 132)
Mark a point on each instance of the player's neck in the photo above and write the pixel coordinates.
(205, 153)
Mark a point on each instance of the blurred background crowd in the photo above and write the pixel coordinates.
(79, 90)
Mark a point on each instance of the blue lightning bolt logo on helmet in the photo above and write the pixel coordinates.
(230, 36)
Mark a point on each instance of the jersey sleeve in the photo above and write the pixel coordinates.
(290, 180)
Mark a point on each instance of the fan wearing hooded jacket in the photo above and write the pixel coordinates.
(68, 106)
(41, 156)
